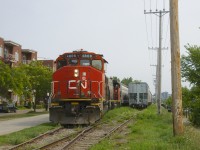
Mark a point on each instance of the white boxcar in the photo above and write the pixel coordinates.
(139, 95)
(124, 94)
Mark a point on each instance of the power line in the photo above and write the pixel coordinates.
(159, 57)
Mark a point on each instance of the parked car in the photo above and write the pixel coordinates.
(169, 108)
(7, 107)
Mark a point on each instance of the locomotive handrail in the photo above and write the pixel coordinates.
(99, 87)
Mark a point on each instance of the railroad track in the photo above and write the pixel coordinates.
(85, 139)
(61, 143)
(93, 135)
(45, 138)
(72, 139)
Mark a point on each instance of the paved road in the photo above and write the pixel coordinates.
(18, 112)
(14, 125)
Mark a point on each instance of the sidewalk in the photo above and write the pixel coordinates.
(21, 112)
(14, 125)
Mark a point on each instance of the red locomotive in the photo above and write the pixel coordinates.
(81, 92)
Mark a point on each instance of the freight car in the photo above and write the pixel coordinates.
(81, 92)
(139, 95)
(124, 95)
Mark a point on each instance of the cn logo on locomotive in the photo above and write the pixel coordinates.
(83, 84)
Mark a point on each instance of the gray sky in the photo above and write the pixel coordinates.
(115, 28)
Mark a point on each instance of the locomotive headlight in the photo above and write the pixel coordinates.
(76, 72)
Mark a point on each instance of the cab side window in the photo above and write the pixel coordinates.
(97, 64)
(61, 63)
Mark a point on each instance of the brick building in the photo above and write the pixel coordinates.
(49, 63)
(12, 54)
(28, 56)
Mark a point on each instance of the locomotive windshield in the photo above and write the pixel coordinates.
(80, 59)
(85, 62)
(73, 62)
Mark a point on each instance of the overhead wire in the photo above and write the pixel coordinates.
(146, 25)
(166, 38)
(156, 5)
(155, 33)
(167, 31)
(152, 39)
(156, 24)
(163, 4)
(153, 57)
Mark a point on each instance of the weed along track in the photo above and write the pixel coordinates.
(93, 135)
(46, 138)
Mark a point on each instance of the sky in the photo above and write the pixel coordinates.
(118, 29)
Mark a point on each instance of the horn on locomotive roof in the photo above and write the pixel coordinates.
(80, 50)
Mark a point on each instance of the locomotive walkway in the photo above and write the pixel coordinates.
(14, 125)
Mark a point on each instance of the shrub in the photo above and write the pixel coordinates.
(195, 116)
(39, 106)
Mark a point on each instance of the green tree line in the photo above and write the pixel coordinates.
(25, 80)
(127, 80)
(190, 69)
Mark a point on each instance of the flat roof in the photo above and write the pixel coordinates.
(29, 51)
(11, 43)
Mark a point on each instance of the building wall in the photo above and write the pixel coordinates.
(34, 56)
(18, 59)
(49, 63)
(28, 55)
(1, 48)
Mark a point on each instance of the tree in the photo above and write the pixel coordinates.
(190, 68)
(5, 79)
(168, 101)
(190, 65)
(116, 78)
(186, 97)
(20, 81)
(11, 80)
(126, 81)
(40, 78)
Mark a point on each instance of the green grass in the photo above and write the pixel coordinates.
(26, 134)
(119, 114)
(14, 116)
(152, 132)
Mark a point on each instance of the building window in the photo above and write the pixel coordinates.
(5, 53)
(16, 56)
(1, 51)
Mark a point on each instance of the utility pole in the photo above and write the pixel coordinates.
(159, 57)
(176, 71)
